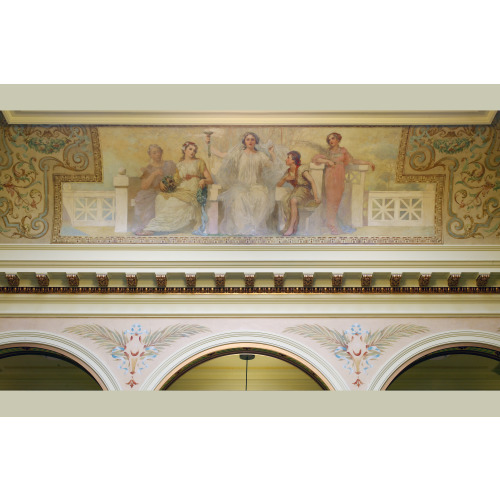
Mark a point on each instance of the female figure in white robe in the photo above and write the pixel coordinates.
(248, 197)
(180, 209)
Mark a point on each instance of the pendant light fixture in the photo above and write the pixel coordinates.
(246, 357)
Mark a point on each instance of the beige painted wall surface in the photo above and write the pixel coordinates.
(344, 350)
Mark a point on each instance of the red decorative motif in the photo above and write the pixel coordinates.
(131, 383)
(358, 382)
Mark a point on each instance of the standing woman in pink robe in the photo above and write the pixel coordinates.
(336, 159)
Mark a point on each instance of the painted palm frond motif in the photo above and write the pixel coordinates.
(101, 335)
(166, 336)
(136, 345)
(385, 337)
(326, 337)
(357, 347)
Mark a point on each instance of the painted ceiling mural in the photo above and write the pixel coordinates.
(250, 185)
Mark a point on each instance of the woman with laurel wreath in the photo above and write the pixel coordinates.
(181, 208)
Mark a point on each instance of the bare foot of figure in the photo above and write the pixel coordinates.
(144, 233)
(291, 230)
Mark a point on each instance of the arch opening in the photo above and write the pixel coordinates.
(27, 367)
(222, 369)
(453, 368)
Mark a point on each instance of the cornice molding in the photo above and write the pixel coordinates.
(250, 118)
(250, 305)
(317, 283)
(221, 259)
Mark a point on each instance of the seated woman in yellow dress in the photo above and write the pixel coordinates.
(181, 208)
(304, 191)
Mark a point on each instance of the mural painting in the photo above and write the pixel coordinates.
(264, 185)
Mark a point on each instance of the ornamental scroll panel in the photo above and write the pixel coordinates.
(467, 159)
(33, 160)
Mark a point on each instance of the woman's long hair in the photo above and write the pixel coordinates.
(184, 146)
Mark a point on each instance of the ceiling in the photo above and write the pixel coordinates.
(291, 104)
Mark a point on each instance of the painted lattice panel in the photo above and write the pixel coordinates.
(91, 210)
(395, 209)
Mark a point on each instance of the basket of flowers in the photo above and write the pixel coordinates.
(169, 183)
